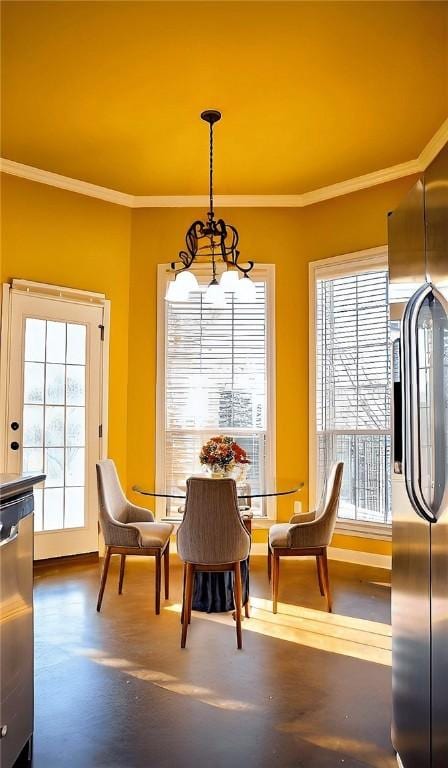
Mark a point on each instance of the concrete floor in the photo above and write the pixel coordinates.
(114, 690)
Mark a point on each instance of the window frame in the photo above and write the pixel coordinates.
(371, 259)
(264, 272)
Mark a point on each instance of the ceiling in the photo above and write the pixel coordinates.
(312, 93)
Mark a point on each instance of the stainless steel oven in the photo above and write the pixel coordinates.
(16, 625)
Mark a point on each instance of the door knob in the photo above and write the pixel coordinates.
(14, 425)
(15, 446)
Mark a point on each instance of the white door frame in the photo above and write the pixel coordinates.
(71, 295)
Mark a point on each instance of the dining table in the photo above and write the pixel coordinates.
(213, 591)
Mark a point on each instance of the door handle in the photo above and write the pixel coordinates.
(411, 416)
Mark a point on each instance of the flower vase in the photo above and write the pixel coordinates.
(217, 473)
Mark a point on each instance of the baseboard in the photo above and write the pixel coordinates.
(345, 555)
(87, 557)
(359, 557)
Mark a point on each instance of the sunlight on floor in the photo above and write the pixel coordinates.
(167, 682)
(365, 751)
(334, 633)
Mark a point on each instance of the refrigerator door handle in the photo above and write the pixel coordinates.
(411, 416)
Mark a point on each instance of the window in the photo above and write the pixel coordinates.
(214, 377)
(351, 368)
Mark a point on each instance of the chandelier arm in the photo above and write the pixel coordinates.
(191, 241)
(186, 259)
(244, 269)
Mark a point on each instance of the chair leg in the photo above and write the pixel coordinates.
(189, 602)
(275, 580)
(183, 593)
(166, 570)
(247, 609)
(269, 562)
(189, 569)
(103, 578)
(319, 575)
(326, 579)
(238, 596)
(122, 566)
(158, 581)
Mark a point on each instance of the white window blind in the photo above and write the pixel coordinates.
(215, 382)
(353, 370)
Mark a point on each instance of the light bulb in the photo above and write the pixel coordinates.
(176, 292)
(187, 281)
(229, 280)
(245, 290)
(214, 293)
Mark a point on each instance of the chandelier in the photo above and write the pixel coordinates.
(215, 243)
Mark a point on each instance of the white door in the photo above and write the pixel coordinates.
(54, 415)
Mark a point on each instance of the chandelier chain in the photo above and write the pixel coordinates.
(211, 212)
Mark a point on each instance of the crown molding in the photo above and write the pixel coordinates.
(65, 182)
(347, 187)
(434, 146)
(361, 182)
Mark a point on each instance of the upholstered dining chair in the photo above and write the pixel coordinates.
(307, 534)
(129, 530)
(211, 538)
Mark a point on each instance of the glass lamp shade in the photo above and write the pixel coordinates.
(229, 280)
(245, 290)
(187, 281)
(176, 292)
(215, 293)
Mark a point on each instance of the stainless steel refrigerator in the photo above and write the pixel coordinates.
(418, 263)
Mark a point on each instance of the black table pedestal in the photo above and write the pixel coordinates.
(213, 592)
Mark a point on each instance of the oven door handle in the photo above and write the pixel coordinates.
(13, 535)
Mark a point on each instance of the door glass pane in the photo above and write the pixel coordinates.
(33, 385)
(75, 384)
(55, 384)
(55, 342)
(74, 507)
(54, 426)
(76, 344)
(54, 417)
(35, 339)
(33, 459)
(33, 425)
(75, 426)
(53, 509)
(432, 345)
(74, 467)
(54, 467)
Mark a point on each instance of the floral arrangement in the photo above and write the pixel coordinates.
(223, 453)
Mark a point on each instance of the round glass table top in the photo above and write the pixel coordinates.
(248, 489)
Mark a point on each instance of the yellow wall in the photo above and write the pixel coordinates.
(59, 237)
(290, 238)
